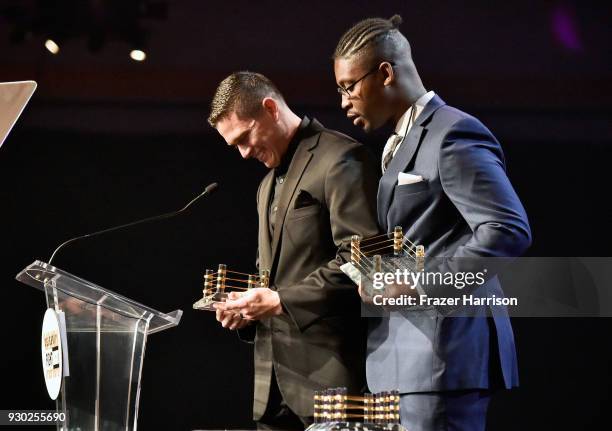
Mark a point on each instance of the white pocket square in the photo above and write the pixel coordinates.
(403, 179)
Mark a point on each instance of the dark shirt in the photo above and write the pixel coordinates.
(280, 172)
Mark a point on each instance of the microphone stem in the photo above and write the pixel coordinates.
(148, 219)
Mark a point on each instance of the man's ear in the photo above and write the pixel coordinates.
(388, 73)
(270, 107)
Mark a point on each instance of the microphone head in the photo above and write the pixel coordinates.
(211, 187)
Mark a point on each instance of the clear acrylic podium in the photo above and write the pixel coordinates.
(106, 338)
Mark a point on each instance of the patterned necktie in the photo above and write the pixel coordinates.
(392, 143)
(394, 140)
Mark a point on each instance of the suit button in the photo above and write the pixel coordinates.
(281, 180)
(274, 209)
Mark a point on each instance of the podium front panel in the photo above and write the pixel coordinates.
(106, 352)
(105, 339)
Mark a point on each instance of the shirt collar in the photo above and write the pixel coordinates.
(401, 127)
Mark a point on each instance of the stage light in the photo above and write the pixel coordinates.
(138, 55)
(51, 46)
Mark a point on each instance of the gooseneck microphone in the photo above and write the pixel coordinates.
(209, 189)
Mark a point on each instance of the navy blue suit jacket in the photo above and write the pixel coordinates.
(464, 208)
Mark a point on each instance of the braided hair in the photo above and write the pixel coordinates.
(366, 33)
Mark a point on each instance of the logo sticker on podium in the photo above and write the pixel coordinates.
(51, 346)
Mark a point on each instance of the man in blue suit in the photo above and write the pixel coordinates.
(444, 182)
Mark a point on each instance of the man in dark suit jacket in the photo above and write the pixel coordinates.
(321, 189)
(444, 182)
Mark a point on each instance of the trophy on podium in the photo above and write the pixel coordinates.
(218, 285)
(387, 252)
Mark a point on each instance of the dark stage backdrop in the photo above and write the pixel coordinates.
(104, 142)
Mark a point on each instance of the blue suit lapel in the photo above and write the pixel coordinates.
(402, 158)
(387, 183)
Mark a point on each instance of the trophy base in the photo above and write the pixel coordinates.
(354, 426)
(207, 304)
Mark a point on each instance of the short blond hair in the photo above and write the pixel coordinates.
(242, 93)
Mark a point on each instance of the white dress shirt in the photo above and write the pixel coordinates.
(404, 124)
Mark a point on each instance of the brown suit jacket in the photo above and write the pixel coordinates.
(319, 341)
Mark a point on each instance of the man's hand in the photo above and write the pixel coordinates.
(230, 319)
(254, 304)
(397, 290)
(365, 298)
(391, 290)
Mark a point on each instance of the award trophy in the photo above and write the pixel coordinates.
(217, 287)
(334, 410)
(388, 252)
